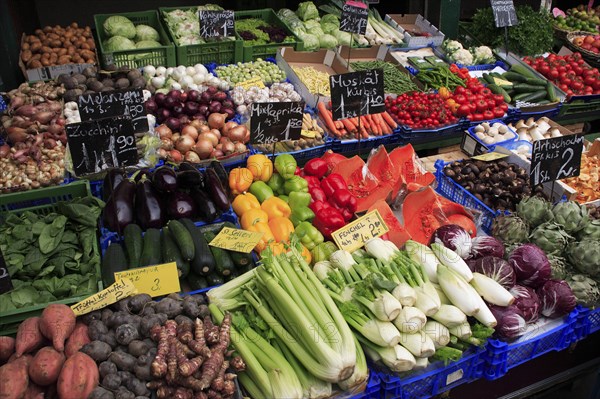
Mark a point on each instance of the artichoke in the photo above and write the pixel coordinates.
(535, 211)
(551, 237)
(585, 257)
(510, 229)
(560, 268)
(584, 288)
(591, 231)
(571, 215)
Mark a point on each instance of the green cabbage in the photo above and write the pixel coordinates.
(147, 44)
(328, 41)
(118, 43)
(118, 25)
(145, 32)
(344, 38)
(311, 42)
(330, 18)
(307, 10)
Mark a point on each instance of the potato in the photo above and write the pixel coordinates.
(26, 55)
(107, 367)
(14, 379)
(46, 365)
(97, 350)
(101, 393)
(123, 360)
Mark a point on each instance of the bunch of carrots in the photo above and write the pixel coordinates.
(359, 127)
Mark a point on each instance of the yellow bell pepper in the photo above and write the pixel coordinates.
(244, 202)
(306, 254)
(267, 237)
(260, 166)
(281, 227)
(253, 216)
(276, 207)
(278, 248)
(444, 93)
(240, 180)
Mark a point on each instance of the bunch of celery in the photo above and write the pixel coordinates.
(289, 331)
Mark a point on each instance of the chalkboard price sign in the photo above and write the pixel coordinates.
(504, 13)
(115, 103)
(354, 18)
(357, 93)
(272, 122)
(556, 158)
(5, 281)
(216, 23)
(101, 144)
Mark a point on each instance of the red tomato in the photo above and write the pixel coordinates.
(503, 107)
(487, 114)
(481, 105)
(477, 117)
(459, 90)
(498, 112)
(463, 110)
(554, 74)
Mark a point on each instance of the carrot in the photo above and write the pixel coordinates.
(57, 323)
(29, 336)
(375, 129)
(350, 127)
(385, 128)
(389, 120)
(326, 116)
(364, 122)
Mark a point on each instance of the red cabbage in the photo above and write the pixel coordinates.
(497, 269)
(453, 237)
(486, 246)
(531, 265)
(511, 323)
(556, 298)
(527, 301)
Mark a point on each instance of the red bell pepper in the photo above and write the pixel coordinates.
(328, 220)
(312, 181)
(332, 183)
(343, 200)
(316, 167)
(317, 206)
(298, 171)
(317, 193)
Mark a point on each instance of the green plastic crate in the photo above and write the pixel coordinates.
(251, 53)
(42, 202)
(138, 58)
(220, 52)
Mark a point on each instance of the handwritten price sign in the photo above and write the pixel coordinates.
(153, 280)
(354, 235)
(236, 240)
(117, 291)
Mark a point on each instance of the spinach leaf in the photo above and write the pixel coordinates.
(52, 234)
(22, 232)
(85, 211)
(6, 303)
(24, 296)
(34, 260)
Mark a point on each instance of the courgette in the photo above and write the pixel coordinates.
(521, 70)
(133, 244)
(551, 92)
(183, 238)
(223, 263)
(151, 251)
(536, 82)
(240, 259)
(526, 88)
(203, 262)
(488, 78)
(214, 279)
(196, 282)
(531, 97)
(114, 260)
(499, 90)
(514, 77)
(171, 253)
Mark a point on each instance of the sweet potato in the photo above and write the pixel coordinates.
(7, 348)
(35, 392)
(77, 339)
(46, 366)
(29, 336)
(57, 323)
(14, 379)
(78, 377)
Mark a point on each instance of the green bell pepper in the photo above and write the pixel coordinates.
(298, 199)
(276, 183)
(301, 214)
(285, 164)
(295, 183)
(308, 234)
(261, 191)
(323, 251)
(283, 197)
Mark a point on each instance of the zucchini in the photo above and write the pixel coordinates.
(171, 253)
(223, 263)
(531, 97)
(203, 262)
(240, 259)
(551, 92)
(196, 282)
(536, 82)
(214, 279)
(499, 90)
(514, 77)
(151, 251)
(526, 88)
(488, 78)
(133, 244)
(183, 238)
(521, 70)
(114, 260)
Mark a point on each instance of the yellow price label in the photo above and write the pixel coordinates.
(155, 280)
(119, 290)
(354, 235)
(236, 240)
(254, 82)
(490, 156)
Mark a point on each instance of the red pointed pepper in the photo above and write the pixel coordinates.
(332, 183)
(316, 167)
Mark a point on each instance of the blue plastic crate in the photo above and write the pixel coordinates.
(455, 192)
(373, 389)
(500, 356)
(419, 136)
(514, 135)
(354, 145)
(523, 113)
(435, 379)
(588, 322)
(3, 104)
(485, 67)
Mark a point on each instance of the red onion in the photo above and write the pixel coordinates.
(178, 109)
(170, 102)
(203, 109)
(193, 95)
(220, 96)
(191, 108)
(227, 104)
(49, 143)
(151, 106)
(211, 90)
(229, 112)
(200, 117)
(4, 150)
(60, 121)
(184, 119)
(215, 106)
(175, 95)
(163, 115)
(160, 98)
(205, 97)
(183, 96)
(173, 124)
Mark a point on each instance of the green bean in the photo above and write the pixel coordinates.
(439, 77)
(394, 80)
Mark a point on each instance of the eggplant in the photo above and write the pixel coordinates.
(119, 209)
(181, 205)
(222, 175)
(140, 174)
(164, 180)
(207, 211)
(190, 179)
(186, 166)
(216, 191)
(113, 178)
(149, 209)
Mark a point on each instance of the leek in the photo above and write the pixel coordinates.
(451, 259)
(462, 295)
(410, 320)
(419, 343)
(439, 333)
(450, 316)
(423, 255)
(491, 290)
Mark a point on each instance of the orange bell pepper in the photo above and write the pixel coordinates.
(444, 93)
(276, 207)
(260, 166)
(281, 227)
(267, 237)
(240, 180)
(278, 248)
(244, 202)
(253, 216)
(306, 254)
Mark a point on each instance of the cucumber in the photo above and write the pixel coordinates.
(526, 88)
(240, 259)
(203, 262)
(488, 78)
(514, 77)
(196, 282)
(171, 253)
(521, 70)
(499, 90)
(114, 260)
(536, 82)
(133, 244)
(532, 97)
(214, 279)
(223, 263)
(151, 251)
(551, 92)
(183, 238)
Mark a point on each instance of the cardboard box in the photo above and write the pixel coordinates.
(407, 23)
(327, 61)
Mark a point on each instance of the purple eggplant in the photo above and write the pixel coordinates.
(164, 180)
(119, 209)
(113, 178)
(181, 205)
(222, 175)
(190, 179)
(216, 191)
(186, 166)
(149, 210)
(207, 211)
(140, 174)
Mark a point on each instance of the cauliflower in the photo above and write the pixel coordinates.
(462, 56)
(451, 46)
(483, 55)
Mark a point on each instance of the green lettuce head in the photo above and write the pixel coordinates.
(118, 43)
(330, 19)
(328, 41)
(119, 26)
(307, 10)
(147, 44)
(145, 32)
(311, 42)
